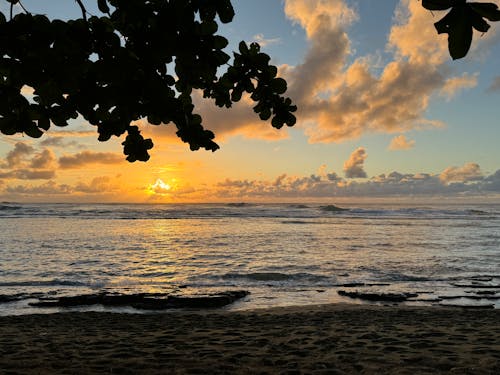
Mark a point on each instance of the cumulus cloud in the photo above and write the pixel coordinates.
(17, 156)
(454, 85)
(97, 185)
(401, 143)
(340, 97)
(354, 166)
(467, 173)
(84, 158)
(44, 159)
(384, 185)
(21, 164)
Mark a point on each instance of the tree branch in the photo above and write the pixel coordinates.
(84, 11)
(22, 6)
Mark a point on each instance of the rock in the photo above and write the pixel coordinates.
(145, 301)
(382, 297)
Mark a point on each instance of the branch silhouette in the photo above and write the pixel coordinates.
(140, 60)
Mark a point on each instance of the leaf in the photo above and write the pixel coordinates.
(478, 22)
(32, 130)
(487, 10)
(103, 6)
(243, 48)
(438, 4)
(457, 24)
(225, 11)
(278, 85)
(460, 36)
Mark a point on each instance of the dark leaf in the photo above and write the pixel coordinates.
(438, 4)
(103, 6)
(278, 85)
(487, 10)
(478, 22)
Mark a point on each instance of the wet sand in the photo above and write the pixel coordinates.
(325, 339)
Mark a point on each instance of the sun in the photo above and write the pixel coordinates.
(160, 187)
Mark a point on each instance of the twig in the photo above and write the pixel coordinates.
(22, 6)
(84, 11)
(11, 10)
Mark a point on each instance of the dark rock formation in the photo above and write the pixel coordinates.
(146, 301)
(380, 297)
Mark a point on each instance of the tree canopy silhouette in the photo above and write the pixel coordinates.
(142, 59)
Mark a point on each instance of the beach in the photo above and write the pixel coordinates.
(323, 339)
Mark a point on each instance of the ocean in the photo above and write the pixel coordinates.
(283, 254)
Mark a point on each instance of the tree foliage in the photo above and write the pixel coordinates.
(140, 59)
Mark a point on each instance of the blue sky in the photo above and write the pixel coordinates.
(375, 73)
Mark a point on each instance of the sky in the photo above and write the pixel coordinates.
(383, 112)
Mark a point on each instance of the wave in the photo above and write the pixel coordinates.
(242, 210)
(333, 208)
(54, 282)
(5, 207)
(274, 276)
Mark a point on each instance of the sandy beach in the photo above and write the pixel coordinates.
(325, 339)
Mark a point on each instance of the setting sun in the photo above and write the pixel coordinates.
(160, 187)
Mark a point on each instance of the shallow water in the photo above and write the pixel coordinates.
(284, 254)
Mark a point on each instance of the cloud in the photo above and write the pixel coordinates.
(467, 173)
(98, 185)
(59, 142)
(394, 184)
(263, 42)
(27, 174)
(49, 188)
(16, 157)
(401, 143)
(495, 85)
(384, 185)
(353, 167)
(342, 96)
(43, 160)
(339, 95)
(454, 85)
(84, 158)
(18, 164)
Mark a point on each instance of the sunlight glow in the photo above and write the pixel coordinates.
(160, 187)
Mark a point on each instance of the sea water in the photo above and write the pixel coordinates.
(284, 254)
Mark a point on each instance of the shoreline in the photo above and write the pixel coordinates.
(331, 338)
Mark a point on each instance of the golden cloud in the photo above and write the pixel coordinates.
(401, 143)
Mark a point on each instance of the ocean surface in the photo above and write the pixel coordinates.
(284, 254)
